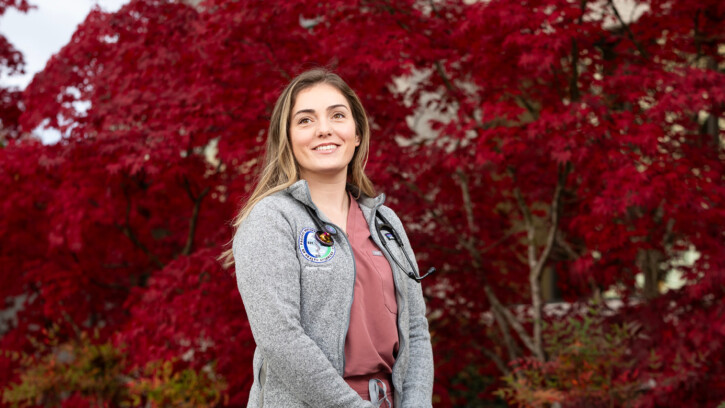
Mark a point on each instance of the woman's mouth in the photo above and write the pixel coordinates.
(325, 148)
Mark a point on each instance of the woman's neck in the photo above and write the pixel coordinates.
(330, 197)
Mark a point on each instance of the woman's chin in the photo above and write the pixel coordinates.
(324, 173)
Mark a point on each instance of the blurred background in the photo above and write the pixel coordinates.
(561, 162)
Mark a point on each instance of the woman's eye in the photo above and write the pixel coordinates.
(304, 120)
(338, 115)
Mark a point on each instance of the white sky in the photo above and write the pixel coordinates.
(43, 31)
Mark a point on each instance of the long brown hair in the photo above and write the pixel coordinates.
(280, 167)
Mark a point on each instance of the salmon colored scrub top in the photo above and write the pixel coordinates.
(372, 338)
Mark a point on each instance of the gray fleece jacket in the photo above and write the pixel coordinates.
(298, 297)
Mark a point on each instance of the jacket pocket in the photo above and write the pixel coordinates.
(319, 287)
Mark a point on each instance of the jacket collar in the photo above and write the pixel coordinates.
(301, 192)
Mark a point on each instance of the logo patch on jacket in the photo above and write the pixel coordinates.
(313, 250)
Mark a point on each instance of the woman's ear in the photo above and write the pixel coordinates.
(357, 140)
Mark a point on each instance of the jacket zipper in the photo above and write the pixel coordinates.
(349, 307)
(354, 278)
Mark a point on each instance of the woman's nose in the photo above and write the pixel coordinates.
(324, 127)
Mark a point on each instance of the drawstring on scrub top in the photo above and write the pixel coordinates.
(377, 387)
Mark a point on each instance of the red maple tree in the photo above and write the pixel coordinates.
(520, 141)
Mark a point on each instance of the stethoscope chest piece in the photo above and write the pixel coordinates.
(324, 238)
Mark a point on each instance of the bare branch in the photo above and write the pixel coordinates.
(432, 5)
(529, 107)
(511, 346)
(194, 216)
(504, 318)
(537, 263)
(510, 318)
(453, 92)
(529, 225)
(554, 212)
(498, 242)
(697, 37)
(567, 247)
(128, 232)
(467, 203)
(628, 30)
(112, 286)
(446, 81)
(495, 358)
(574, 79)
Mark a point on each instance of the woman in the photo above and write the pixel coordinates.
(335, 325)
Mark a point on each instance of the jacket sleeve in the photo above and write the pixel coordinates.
(267, 271)
(418, 383)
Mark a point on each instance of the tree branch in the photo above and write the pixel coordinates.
(453, 92)
(574, 79)
(194, 215)
(536, 264)
(498, 242)
(535, 275)
(554, 212)
(567, 247)
(530, 228)
(495, 358)
(513, 349)
(128, 232)
(446, 81)
(574, 94)
(112, 286)
(467, 203)
(628, 30)
(504, 318)
(432, 5)
(696, 36)
(510, 318)
(529, 107)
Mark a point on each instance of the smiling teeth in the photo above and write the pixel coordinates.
(325, 147)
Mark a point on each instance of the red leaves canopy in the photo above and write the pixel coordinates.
(478, 112)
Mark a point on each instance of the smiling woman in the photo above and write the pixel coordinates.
(322, 133)
(337, 324)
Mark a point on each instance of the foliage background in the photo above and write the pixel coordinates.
(542, 150)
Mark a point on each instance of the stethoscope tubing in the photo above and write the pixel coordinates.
(412, 273)
(325, 232)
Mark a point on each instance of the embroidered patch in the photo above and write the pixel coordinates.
(389, 235)
(313, 250)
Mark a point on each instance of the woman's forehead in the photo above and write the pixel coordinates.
(319, 96)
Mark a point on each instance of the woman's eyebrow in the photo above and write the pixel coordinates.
(329, 108)
(339, 105)
(303, 111)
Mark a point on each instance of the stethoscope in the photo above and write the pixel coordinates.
(385, 231)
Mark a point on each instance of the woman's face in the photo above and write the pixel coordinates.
(322, 132)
